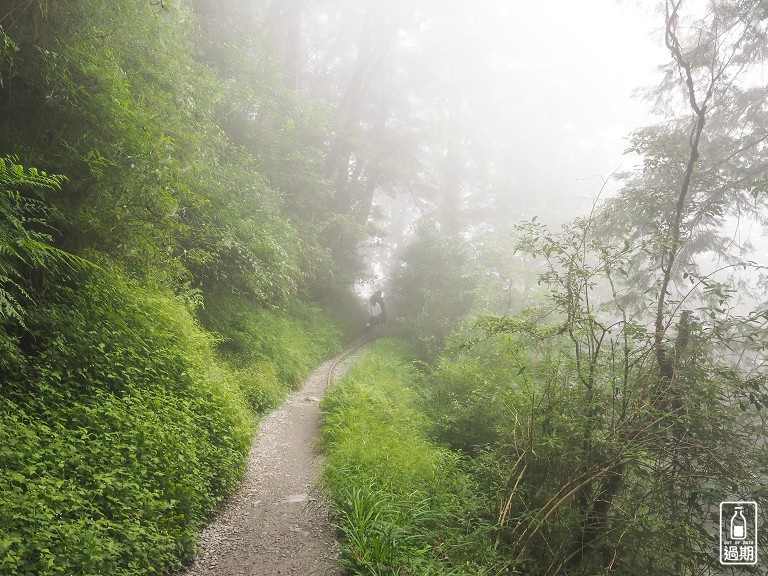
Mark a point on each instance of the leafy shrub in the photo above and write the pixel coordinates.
(133, 117)
(21, 242)
(434, 288)
(119, 434)
(467, 400)
(260, 385)
(25, 244)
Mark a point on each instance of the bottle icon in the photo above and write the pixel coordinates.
(738, 524)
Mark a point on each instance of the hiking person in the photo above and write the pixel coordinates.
(377, 311)
(379, 299)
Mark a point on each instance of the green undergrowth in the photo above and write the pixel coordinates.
(403, 504)
(270, 351)
(122, 427)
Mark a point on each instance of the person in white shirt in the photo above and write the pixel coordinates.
(377, 311)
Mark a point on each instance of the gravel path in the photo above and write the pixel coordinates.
(277, 523)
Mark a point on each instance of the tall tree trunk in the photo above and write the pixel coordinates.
(450, 201)
(667, 395)
(341, 154)
(284, 18)
(665, 363)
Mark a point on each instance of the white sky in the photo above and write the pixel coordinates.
(574, 68)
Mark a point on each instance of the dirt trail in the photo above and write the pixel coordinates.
(277, 522)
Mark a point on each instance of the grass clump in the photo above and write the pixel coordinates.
(403, 504)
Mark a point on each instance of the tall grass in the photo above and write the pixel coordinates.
(403, 504)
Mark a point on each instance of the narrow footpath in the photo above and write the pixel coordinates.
(277, 523)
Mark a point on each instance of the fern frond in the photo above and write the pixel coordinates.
(23, 244)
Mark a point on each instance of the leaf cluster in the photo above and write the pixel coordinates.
(121, 432)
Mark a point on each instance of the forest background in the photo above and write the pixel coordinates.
(192, 190)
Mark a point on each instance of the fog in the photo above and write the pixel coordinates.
(487, 113)
(192, 189)
(540, 98)
(569, 101)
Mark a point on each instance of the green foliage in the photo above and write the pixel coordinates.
(131, 115)
(468, 399)
(235, 240)
(121, 425)
(7, 49)
(551, 464)
(343, 235)
(108, 124)
(583, 452)
(270, 350)
(371, 529)
(529, 419)
(26, 249)
(23, 242)
(403, 504)
(285, 134)
(597, 451)
(434, 287)
(120, 433)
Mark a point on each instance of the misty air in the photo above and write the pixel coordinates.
(406, 288)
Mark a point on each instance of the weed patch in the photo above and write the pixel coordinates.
(402, 503)
(119, 434)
